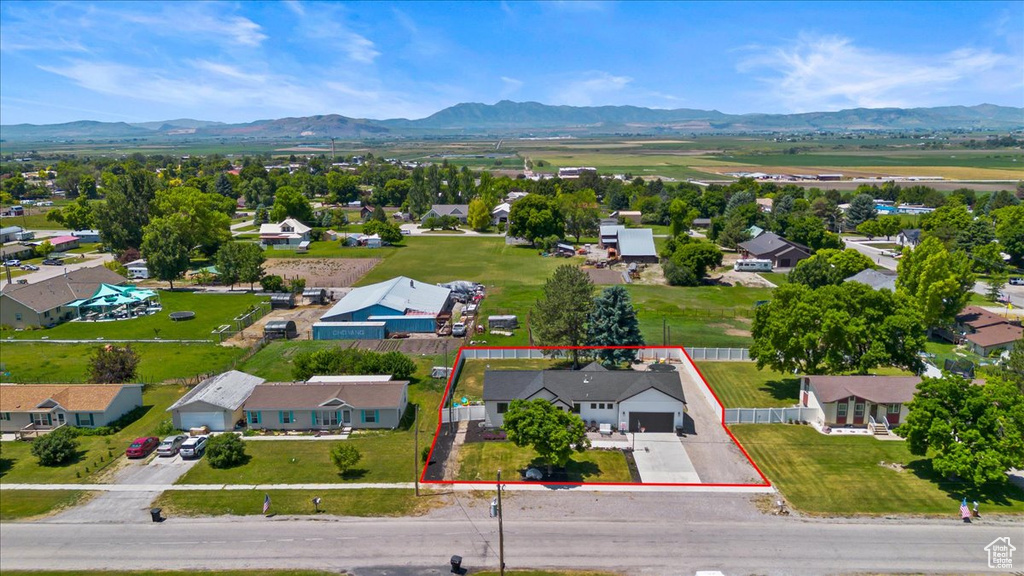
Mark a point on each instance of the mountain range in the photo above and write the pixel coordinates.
(507, 118)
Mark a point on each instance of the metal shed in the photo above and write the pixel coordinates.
(280, 329)
(509, 322)
(278, 301)
(349, 331)
(315, 295)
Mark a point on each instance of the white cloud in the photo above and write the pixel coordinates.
(327, 26)
(198, 19)
(831, 73)
(590, 88)
(510, 86)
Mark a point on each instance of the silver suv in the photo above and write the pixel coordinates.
(193, 447)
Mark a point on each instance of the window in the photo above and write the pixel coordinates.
(326, 418)
(858, 410)
(286, 417)
(83, 419)
(371, 416)
(502, 407)
(46, 314)
(5, 416)
(593, 406)
(253, 417)
(841, 410)
(576, 407)
(894, 408)
(41, 419)
(18, 316)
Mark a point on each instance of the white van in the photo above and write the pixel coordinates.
(752, 265)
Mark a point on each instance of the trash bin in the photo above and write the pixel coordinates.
(679, 431)
(155, 513)
(457, 564)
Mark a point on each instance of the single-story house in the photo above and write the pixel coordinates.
(878, 279)
(137, 269)
(25, 235)
(15, 251)
(289, 232)
(909, 237)
(652, 401)
(403, 304)
(973, 318)
(43, 407)
(215, 402)
(311, 406)
(62, 243)
(366, 212)
(500, 213)
(702, 222)
(516, 195)
(771, 246)
(10, 233)
(460, 211)
(627, 216)
(87, 235)
(989, 339)
(855, 400)
(45, 303)
(12, 210)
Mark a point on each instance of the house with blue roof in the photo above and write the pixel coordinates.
(397, 305)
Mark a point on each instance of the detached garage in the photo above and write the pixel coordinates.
(215, 402)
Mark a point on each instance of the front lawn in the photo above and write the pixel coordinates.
(842, 475)
(212, 310)
(742, 385)
(274, 362)
(480, 461)
(356, 502)
(19, 504)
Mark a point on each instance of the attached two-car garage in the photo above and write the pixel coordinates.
(652, 421)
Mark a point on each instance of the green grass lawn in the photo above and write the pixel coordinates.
(742, 385)
(841, 475)
(20, 504)
(471, 377)
(356, 502)
(42, 362)
(776, 278)
(212, 310)
(35, 221)
(545, 573)
(19, 466)
(482, 460)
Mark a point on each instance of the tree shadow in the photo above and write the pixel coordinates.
(573, 471)
(994, 493)
(5, 466)
(788, 389)
(354, 474)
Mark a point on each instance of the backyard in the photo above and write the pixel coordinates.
(845, 475)
(471, 377)
(742, 385)
(480, 461)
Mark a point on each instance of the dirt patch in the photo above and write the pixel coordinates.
(604, 276)
(732, 278)
(651, 274)
(322, 272)
(304, 317)
(738, 332)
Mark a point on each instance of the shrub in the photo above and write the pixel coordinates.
(225, 451)
(345, 456)
(166, 428)
(272, 283)
(56, 448)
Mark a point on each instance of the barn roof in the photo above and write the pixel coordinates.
(400, 293)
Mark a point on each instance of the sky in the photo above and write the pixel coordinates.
(245, 61)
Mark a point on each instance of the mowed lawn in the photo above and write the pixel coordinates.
(20, 504)
(274, 362)
(841, 475)
(357, 502)
(17, 465)
(742, 385)
(212, 310)
(480, 461)
(43, 362)
(471, 377)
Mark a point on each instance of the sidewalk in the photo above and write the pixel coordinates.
(438, 486)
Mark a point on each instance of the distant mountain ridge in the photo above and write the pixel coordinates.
(517, 118)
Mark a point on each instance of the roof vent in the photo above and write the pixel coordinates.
(412, 283)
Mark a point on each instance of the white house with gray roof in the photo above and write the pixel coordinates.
(877, 279)
(653, 401)
(215, 402)
(460, 211)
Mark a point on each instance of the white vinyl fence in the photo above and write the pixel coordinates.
(460, 413)
(770, 415)
(720, 354)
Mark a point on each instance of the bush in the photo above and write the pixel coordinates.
(225, 451)
(166, 428)
(345, 456)
(272, 283)
(56, 448)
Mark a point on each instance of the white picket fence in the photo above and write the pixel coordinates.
(770, 415)
(460, 413)
(720, 354)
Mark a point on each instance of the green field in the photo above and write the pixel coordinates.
(19, 466)
(357, 502)
(41, 362)
(841, 475)
(212, 310)
(480, 461)
(274, 362)
(21, 504)
(742, 385)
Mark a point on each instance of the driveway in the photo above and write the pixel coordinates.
(660, 457)
(129, 507)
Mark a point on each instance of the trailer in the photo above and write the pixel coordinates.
(505, 322)
(752, 265)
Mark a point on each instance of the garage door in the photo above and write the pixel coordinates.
(651, 421)
(215, 420)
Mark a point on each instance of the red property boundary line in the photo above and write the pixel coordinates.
(447, 391)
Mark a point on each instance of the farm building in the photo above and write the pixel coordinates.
(315, 295)
(633, 244)
(403, 304)
(349, 331)
(282, 301)
(280, 330)
(10, 233)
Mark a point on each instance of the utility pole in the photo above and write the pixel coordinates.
(664, 338)
(333, 158)
(416, 447)
(501, 533)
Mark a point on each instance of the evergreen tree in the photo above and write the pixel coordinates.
(862, 209)
(613, 322)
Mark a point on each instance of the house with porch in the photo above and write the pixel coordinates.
(327, 405)
(638, 401)
(878, 403)
(909, 237)
(289, 232)
(34, 409)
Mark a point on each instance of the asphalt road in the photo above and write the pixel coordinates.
(771, 545)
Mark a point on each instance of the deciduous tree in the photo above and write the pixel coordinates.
(124, 214)
(345, 456)
(290, 203)
(75, 216)
(479, 217)
(165, 249)
(580, 212)
(1010, 232)
(111, 364)
(560, 316)
(939, 282)
(539, 424)
(535, 216)
(829, 266)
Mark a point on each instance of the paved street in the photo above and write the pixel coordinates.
(683, 545)
(73, 263)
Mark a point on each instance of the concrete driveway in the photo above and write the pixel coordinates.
(129, 507)
(660, 457)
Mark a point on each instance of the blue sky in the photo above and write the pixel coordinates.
(244, 61)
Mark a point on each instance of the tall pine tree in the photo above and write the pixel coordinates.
(613, 322)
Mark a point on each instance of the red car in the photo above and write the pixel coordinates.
(141, 447)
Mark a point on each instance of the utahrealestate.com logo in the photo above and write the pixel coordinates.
(1000, 553)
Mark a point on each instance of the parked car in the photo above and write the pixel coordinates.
(12, 262)
(171, 445)
(458, 329)
(53, 262)
(194, 447)
(141, 447)
(1017, 281)
(29, 267)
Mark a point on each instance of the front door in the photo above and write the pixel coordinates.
(841, 412)
(60, 418)
(346, 416)
(858, 412)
